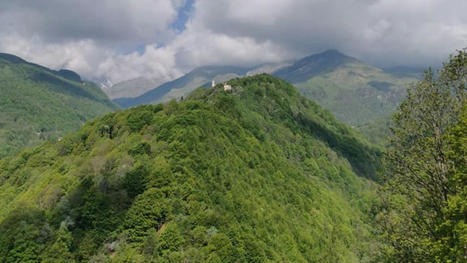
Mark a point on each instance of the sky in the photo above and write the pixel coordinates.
(117, 40)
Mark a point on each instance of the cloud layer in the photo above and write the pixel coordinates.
(120, 40)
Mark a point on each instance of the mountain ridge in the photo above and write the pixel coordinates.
(355, 92)
(313, 65)
(39, 104)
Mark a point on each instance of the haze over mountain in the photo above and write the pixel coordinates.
(38, 104)
(131, 88)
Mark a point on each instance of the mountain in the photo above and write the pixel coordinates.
(357, 93)
(39, 104)
(259, 174)
(405, 71)
(184, 85)
(131, 88)
(314, 65)
(268, 68)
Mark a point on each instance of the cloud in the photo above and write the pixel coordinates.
(379, 31)
(105, 21)
(157, 62)
(199, 46)
(98, 39)
(120, 39)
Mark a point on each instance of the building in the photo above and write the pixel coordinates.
(227, 87)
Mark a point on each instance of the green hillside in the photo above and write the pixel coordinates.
(358, 94)
(260, 174)
(39, 104)
(183, 86)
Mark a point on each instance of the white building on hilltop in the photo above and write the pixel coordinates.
(227, 87)
(213, 83)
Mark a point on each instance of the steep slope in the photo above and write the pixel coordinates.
(184, 85)
(358, 94)
(38, 104)
(257, 175)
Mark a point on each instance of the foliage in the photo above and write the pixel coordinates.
(259, 174)
(426, 163)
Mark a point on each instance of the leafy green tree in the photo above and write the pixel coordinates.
(148, 211)
(23, 236)
(420, 159)
(170, 238)
(60, 251)
(453, 244)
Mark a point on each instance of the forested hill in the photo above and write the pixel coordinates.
(259, 174)
(38, 104)
(183, 86)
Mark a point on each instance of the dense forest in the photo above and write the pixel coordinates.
(258, 173)
(254, 175)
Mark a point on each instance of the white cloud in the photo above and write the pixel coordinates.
(154, 62)
(101, 39)
(378, 31)
(198, 46)
(128, 22)
(79, 55)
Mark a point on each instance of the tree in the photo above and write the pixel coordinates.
(419, 158)
(453, 244)
(60, 250)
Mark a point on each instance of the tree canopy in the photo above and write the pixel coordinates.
(426, 165)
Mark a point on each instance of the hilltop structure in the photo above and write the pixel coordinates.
(227, 87)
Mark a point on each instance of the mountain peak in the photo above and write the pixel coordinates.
(332, 51)
(333, 54)
(313, 65)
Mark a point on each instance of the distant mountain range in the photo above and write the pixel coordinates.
(357, 93)
(39, 104)
(54, 102)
